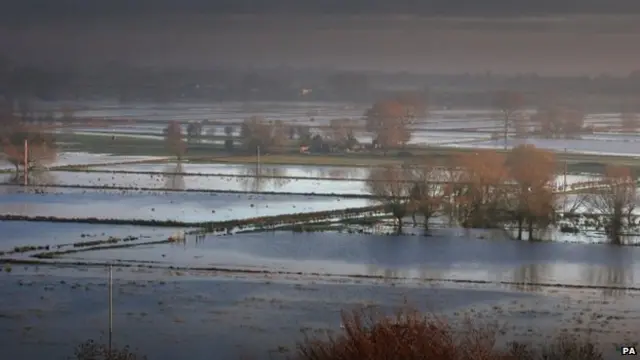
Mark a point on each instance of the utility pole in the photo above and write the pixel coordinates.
(565, 169)
(110, 307)
(26, 162)
(506, 129)
(258, 156)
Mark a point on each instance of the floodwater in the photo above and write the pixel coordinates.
(22, 233)
(450, 254)
(311, 171)
(591, 146)
(224, 177)
(45, 314)
(453, 127)
(187, 207)
(83, 158)
(208, 183)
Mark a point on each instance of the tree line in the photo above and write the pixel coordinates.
(391, 121)
(487, 189)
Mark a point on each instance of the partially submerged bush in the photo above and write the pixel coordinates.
(407, 336)
(90, 350)
(411, 335)
(568, 347)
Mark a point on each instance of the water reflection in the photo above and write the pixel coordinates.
(611, 279)
(391, 274)
(174, 176)
(35, 177)
(256, 178)
(530, 276)
(387, 273)
(615, 276)
(343, 172)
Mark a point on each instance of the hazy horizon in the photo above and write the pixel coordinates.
(546, 37)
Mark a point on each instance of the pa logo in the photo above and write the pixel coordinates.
(628, 350)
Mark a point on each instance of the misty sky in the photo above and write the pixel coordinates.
(545, 36)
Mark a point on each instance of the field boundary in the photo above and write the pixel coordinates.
(229, 270)
(225, 225)
(206, 191)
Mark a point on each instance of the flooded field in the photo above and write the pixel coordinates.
(46, 311)
(22, 233)
(593, 145)
(448, 254)
(305, 278)
(82, 158)
(223, 177)
(209, 183)
(469, 128)
(185, 207)
(311, 171)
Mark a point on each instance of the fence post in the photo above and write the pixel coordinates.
(26, 162)
(110, 307)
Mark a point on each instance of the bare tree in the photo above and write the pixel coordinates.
(41, 144)
(481, 201)
(278, 134)
(339, 130)
(194, 131)
(615, 198)
(228, 130)
(558, 121)
(304, 133)
(341, 133)
(533, 171)
(256, 132)
(389, 123)
(390, 186)
(173, 138)
(509, 103)
(427, 191)
(629, 122)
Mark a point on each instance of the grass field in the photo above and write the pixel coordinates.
(212, 153)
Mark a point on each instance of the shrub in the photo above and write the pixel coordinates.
(407, 336)
(404, 154)
(411, 335)
(90, 350)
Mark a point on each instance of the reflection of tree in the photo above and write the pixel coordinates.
(35, 177)
(340, 172)
(388, 274)
(173, 176)
(528, 277)
(425, 273)
(614, 276)
(256, 178)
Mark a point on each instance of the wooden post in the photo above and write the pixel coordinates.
(259, 165)
(26, 162)
(565, 169)
(110, 307)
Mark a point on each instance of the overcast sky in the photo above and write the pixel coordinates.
(545, 36)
